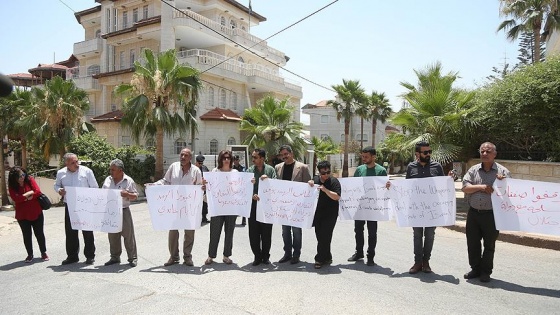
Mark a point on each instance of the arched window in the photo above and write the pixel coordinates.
(223, 98)
(180, 144)
(233, 100)
(213, 147)
(92, 70)
(231, 141)
(232, 24)
(210, 97)
(223, 21)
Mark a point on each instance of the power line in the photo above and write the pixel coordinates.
(263, 58)
(67, 5)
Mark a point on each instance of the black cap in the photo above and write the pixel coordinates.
(200, 158)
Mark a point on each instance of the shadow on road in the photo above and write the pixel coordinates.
(14, 265)
(508, 286)
(361, 266)
(175, 269)
(80, 267)
(428, 277)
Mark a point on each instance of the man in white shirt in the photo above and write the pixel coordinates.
(181, 173)
(75, 175)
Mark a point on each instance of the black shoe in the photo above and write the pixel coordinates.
(471, 274)
(484, 277)
(69, 261)
(112, 262)
(256, 262)
(370, 262)
(294, 260)
(356, 257)
(266, 261)
(284, 259)
(133, 263)
(244, 221)
(89, 261)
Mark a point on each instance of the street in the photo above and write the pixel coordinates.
(525, 279)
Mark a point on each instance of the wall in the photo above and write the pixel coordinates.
(529, 170)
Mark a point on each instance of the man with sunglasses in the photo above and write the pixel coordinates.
(423, 167)
(369, 168)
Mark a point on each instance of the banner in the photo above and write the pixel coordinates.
(175, 207)
(229, 193)
(364, 198)
(424, 202)
(94, 209)
(525, 205)
(287, 203)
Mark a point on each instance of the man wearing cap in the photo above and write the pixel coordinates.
(200, 164)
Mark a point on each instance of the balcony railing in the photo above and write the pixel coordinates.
(88, 47)
(257, 44)
(83, 77)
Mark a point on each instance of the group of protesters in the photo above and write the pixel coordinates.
(477, 186)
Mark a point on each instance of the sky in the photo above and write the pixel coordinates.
(379, 43)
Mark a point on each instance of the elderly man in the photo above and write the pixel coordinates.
(75, 175)
(295, 171)
(477, 186)
(181, 173)
(119, 180)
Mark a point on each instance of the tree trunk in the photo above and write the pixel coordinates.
(373, 131)
(361, 134)
(193, 145)
(159, 153)
(3, 181)
(392, 165)
(345, 162)
(23, 153)
(537, 35)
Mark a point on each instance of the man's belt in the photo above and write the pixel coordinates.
(480, 210)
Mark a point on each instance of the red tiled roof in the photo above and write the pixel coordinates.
(108, 117)
(391, 129)
(52, 66)
(320, 104)
(20, 76)
(221, 114)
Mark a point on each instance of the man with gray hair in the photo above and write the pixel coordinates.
(119, 180)
(75, 175)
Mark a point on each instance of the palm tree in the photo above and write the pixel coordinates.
(56, 114)
(363, 111)
(529, 16)
(437, 112)
(395, 148)
(6, 115)
(323, 148)
(269, 125)
(17, 129)
(380, 111)
(160, 99)
(349, 96)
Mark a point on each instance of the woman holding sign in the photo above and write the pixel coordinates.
(227, 221)
(29, 214)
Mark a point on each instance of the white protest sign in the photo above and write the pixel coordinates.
(94, 209)
(364, 198)
(424, 202)
(175, 207)
(229, 193)
(287, 203)
(525, 205)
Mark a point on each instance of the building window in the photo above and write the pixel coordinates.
(108, 20)
(223, 98)
(145, 12)
(93, 70)
(121, 60)
(115, 18)
(125, 19)
(232, 24)
(231, 141)
(324, 136)
(240, 59)
(342, 138)
(223, 22)
(135, 15)
(132, 57)
(210, 97)
(324, 119)
(180, 144)
(213, 147)
(234, 100)
(359, 137)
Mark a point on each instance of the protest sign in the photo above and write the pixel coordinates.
(175, 207)
(94, 209)
(229, 193)
(364, 198)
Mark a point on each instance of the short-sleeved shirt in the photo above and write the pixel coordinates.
(363, 170)
(417, 170)
(175, 176)
(476, 175)
(267, 170)
(127, 183)
(325, 205)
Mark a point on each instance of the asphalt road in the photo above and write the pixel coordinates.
(525, 279)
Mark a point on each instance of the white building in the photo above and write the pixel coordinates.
(205, 33)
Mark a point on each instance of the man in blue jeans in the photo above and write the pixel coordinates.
(296, 171)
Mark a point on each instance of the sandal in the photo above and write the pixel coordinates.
(318, 265)
(208, 261)
(227, 261)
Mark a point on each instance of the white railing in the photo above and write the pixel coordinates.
(87, 83)
(88, 46)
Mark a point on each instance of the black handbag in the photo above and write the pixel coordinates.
(44, 202)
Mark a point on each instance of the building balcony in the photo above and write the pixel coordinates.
(88, 48)
(83, 77)
(237, 35)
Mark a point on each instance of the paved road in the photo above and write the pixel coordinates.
(526, 280)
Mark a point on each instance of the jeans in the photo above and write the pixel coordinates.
(423, 252)
(372, 237)
(288, 243)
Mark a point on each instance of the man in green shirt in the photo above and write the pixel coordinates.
(369, 168)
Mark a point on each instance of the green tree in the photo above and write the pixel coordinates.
(269, 125)
(349, 97)
(380, 110)
(160, 99)
(17, 127)
(6, 116)
(527, 49)
(396, 148)
(323, 148)
(529, 16)
(438, 113)
(363, 110)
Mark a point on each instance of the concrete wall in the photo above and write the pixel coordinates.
(529, 170)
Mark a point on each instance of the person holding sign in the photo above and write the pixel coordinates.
(477, 186)
(292, 170)
(226, 221)
(369, 168)
(260, 234)
(75, 175)
(421, 168)
(119, 180)
(181, 173)
(200, 164)
(326, 213)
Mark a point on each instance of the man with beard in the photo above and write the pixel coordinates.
(421, 168)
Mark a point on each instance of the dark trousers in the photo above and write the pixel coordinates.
(260, 236)
(372, 237)
(204, 210)
(216, 223)
(423, 243)
(73, 242)
(324, 228)
(481, 226)
(37, 227)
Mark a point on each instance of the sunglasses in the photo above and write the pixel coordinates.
(22, 175)
(325, 172)
(226, 158)
(426, 152)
